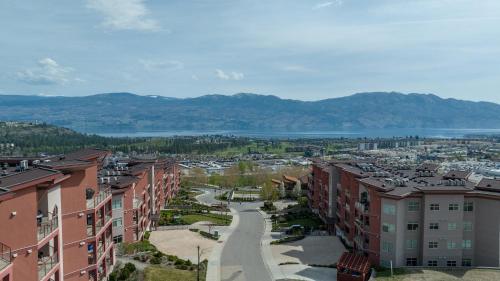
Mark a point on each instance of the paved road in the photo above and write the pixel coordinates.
(241, 258)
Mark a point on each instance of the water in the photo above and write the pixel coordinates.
(373, 133)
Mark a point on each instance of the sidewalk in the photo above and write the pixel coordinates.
(214, 263)
(266, 252)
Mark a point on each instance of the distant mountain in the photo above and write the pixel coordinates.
(126, 112)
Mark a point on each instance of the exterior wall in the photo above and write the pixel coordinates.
(486, 243)
(24, 237)
(74, 222)
(442, 254)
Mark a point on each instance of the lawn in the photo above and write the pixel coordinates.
(192, 217)
(155, 273)
(439, 275)
(214, 218)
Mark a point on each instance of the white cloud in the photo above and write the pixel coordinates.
(47, 72)
(166, 64)
(229, 76)
(327, 4)
(124, 14)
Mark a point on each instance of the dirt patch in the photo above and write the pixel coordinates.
(182, 243)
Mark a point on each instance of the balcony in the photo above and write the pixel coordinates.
(5, 256)
(46, 264)
(46, 226)
(361, 207)
(136, 202)
(98, 198)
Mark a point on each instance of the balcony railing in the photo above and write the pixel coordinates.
(98, 225)
(45, 264)
(137, 202)
(5, 256)
(98, 198)
(46, 226)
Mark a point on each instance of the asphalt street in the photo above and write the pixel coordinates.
(241, 258)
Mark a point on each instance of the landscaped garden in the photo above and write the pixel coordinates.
(188, 217)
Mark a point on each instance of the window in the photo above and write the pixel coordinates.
(432, 263)
(452, 245)
(386, 247)
(117, 222)
(411, 244)
(466, 262)
(434, 226)
(467, 244)
(389, 209)
(118, 239)
(117, 203)
(452, 226)
(468, 206)
(467, 226)
(411, 262)
(434, 207)
(413, 206)
(387, 227)
(412, 226)
(453, 207)
(451, 263)
(433, 244)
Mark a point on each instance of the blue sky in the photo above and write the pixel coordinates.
(297, 49)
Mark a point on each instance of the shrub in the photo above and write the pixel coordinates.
(158, 254)
(155, 260)
(147, 234)
(182, 267)
(194, 229)
(171, 258)
(188, 263)
(208, 235)
(179, 262)
(288, 239)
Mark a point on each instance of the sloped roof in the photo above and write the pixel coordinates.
(354, 262)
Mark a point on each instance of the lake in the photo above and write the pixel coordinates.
(380, 133)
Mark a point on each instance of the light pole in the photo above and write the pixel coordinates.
(198, 270)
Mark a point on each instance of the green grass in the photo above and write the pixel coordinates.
(141, 246)
(155, 273)
(214, 218)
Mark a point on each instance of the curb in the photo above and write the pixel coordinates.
(214, 263)
(266, 252)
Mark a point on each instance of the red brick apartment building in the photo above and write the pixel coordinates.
(57, 217)
(410, 216)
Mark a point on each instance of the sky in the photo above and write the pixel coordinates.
(296, 49)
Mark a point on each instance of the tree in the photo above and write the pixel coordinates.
(268, 192)
(297, 190)
(282, 190)
(198, 176)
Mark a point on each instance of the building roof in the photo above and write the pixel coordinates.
(428, 167)
(290, 178)
(462, 175)
(489, 185)
(354, 262)
(66, 164)
(32, 175)
(87, 154)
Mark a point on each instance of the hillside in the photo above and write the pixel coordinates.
(125, 112)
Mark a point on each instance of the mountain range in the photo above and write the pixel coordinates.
(126, 112)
